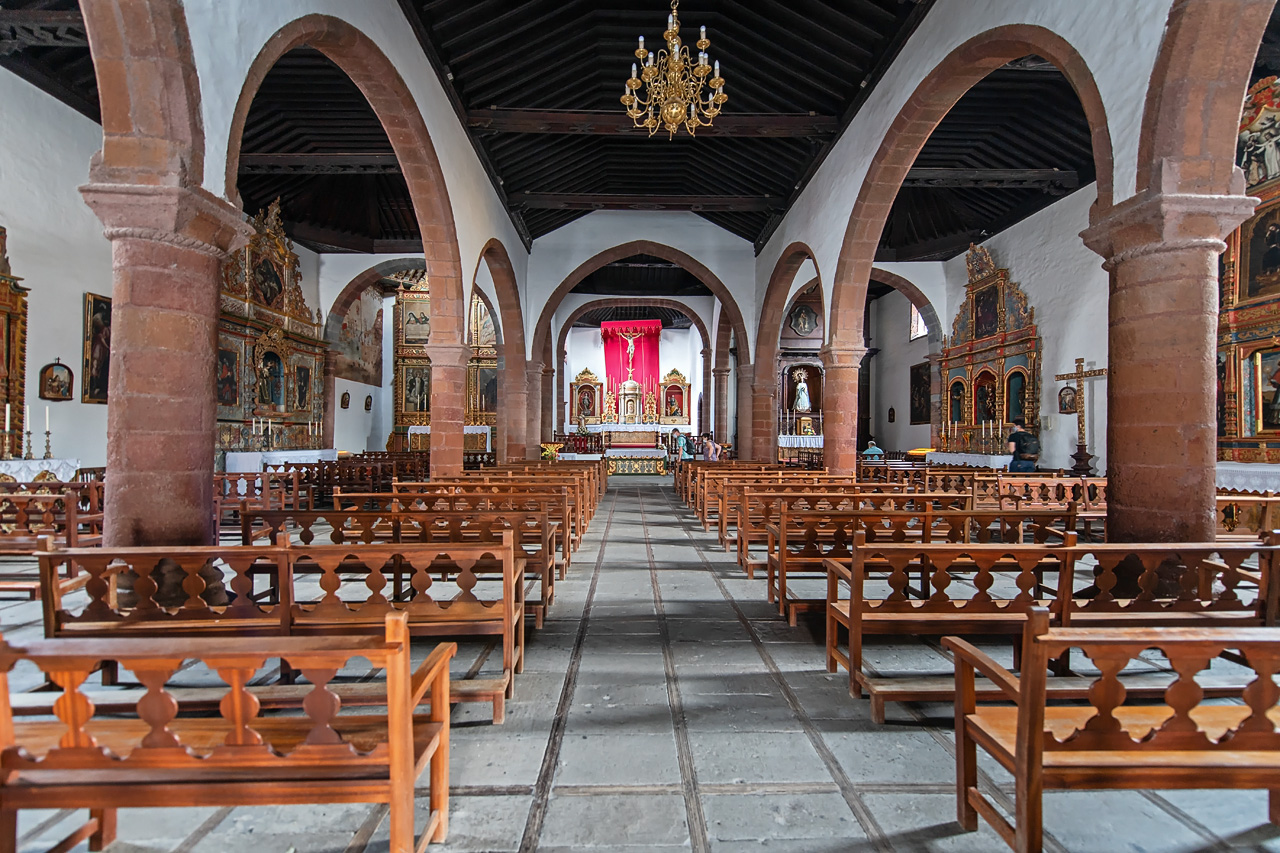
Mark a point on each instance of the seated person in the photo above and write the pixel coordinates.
(873, 451)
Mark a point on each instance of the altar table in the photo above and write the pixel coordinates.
(800, 441)
(1249, 476)
(972, 460)
(466, 430)
(251, 462)
(27, 470)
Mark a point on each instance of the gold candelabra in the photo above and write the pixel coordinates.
(674, 84)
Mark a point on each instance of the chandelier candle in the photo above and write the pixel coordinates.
(673, 84)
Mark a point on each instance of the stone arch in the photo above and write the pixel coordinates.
(513, 422)
(773, 311)
(389, 97)
(1193, 102)
(626, 301)
(917, 298)
(720, 372)
(928, 105)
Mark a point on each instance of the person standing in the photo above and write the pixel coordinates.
(1025, 448)
(710, 450)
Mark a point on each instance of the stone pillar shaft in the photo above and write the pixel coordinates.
(721, 381)
(448, 406)
(533, 409)
(548, 412)
(764, 418)
(840, 408)
(167, 244)
(743, 441)
(704, 410)
(513, 405)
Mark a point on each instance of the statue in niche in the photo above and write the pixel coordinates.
(271, 380)
(802, 403)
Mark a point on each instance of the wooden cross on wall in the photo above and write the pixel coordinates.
(1082, 455)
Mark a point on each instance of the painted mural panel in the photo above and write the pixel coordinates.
(357, 339)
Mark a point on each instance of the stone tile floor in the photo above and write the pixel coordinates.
(666, 706)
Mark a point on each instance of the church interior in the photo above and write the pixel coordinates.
(521, 425)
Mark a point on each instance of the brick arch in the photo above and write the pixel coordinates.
(152, 130)
(764, 415)
(1192, 110)
(917, 298)
(542, 331)
(932, 100)
(513, 422)
(385, 90)
(624, 301)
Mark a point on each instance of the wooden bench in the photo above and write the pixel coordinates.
(157, 754)
(26, 518)
(578, 510)
(1209, 582)
(744, 504)
(1113, 742)
(309, 590)
(1244, 518)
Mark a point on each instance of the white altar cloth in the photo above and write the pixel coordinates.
(26, 470)
(635, 427)
(467, 430)
(800, 441)
(249, 462)
(580, 457)
(973, 460)
(1249, 476)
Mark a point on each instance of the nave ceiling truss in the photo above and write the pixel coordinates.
(536, 84)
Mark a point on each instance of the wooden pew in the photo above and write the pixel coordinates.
(1243, 518)
(158, 754)
(26, 518)
(309, 590)
(579, 513)
(1111, 742)
(743, 503)
(1207, 580)
(801, 541)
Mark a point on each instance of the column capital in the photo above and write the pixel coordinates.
(187, 218)
(450, 355)
(1157, 222)
(835, 358)
(720, 372)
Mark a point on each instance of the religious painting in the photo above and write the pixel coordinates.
(480, 327)
(1015, 396)
(1258, 143)
(416, 327)
(674, 405)
(1260, 255)
(673, 402)
(803, 320)
(1067, 401)
(1267, 385)
(227, 384)
(271, 379)
(355, 337)
(97, 348)
(920, 404)
(303, 395)
(955, 396)
(56, 381)
(487, 388)
(986, 312)
(1222, 393)
(268, 281)
(893, 414)
(368, 403)
(984, 399)
(345, 400)
(415, 388)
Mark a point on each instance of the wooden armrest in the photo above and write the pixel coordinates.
(985, 664)
(839, 569)
(429, 669)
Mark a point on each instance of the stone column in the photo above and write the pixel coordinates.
(840, 408)
(533, 409)
(448, 406)
(548, 411)
(329, 418)
(1161, 249)
(764, 417)
(721, 381)
(704, 411)
(167, 244)
(513, 402)
(742, 441)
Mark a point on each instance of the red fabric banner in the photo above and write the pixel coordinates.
(645, 335)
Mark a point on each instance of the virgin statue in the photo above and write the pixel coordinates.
(802, 392)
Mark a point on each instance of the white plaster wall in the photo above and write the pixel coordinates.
(562, 251)
(56, 246)
(309, 280)
(226, 37)
(1068, 290)
(1118, 42)
(678, 349)
(583, 349)
(704, 307)
(353, 427)
(891, 376)
(931, 279)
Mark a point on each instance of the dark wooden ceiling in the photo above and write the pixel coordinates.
(641, 276)
(670, 317)
(537, 82)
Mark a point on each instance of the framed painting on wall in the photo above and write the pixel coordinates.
(920, 393)
(97, 348)
(56, 381)
(415, 388)
(1267, 390)
(986, 312)
(228, 379)
(346, 400)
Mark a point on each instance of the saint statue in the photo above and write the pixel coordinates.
(802, 403)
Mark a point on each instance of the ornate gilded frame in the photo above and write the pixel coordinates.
(674, 381)
(588, 380)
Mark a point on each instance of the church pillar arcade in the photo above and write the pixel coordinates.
(167, 243)
(548, 392)
(533, 409)
(513, 415)
(743, 440)
(840, 408)
(704, 411)
(448, 405)
(1161, 249)
(764, 433)
(721, 382)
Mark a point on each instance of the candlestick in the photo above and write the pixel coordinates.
(7, 452)
(48, 446)
(28, 455)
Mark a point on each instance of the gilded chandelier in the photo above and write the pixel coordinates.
(674, 95)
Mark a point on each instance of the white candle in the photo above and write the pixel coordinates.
(6, 417)
(26, 416)
(642, 42)
(46, 418)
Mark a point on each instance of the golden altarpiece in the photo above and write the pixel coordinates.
(411, 385)
(586, 399)
(269, 370)
(991, 365)
(482, 378)
(1248, 363)
(13, 348)
(674, 399)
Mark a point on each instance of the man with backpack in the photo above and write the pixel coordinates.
(1025, 448)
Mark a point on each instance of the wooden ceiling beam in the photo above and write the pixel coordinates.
(601, 123)
(607, 201)
(22, 28)
(993, 178)
(319, 164)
